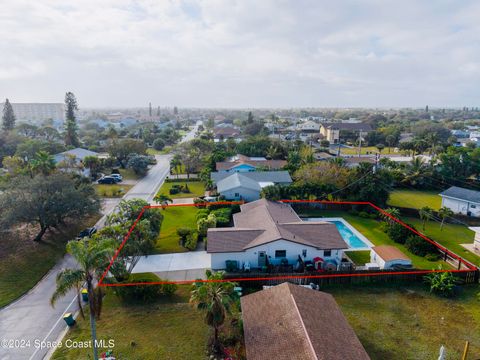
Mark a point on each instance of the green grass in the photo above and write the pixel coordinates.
(168, 329)
(110, 191)
(129, 174)
(415, 199)
(24, 262)
(372, 230)
(164, 151)
(173, 218)
(368, 149)
(407, 322)
(197, 188)
(360, 257)
(451, 236)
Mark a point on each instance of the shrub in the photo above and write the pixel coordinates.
(363, 214)
(184, 232)
(442, 283)
(169, 289)
(201, 214)
(144, 293)
(191, 241)
(139, 163)
(221, 221)
(223, 212)
(353, 212)
(173, 191)
(398, 232)
(372, 216)
(419, 246)
(433, 257)
(158, 144)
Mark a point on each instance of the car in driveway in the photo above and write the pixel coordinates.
(107, 180)
(117, 177)
(88, 232)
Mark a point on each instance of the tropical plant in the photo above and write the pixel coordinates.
(444, 212)
(163, 200)
(425, 213)
(215, 298)
(91, 257)
(42, 163)
(442, 283)
(387, 215)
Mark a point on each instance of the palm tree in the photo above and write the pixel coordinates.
(426, 213)
(43, 163)
(444, 212)
(417, 171)
(390, 211)
(91, 256)
(215, 298)
(162, 199)
(175, 163)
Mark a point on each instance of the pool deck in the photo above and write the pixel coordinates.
(351, 228)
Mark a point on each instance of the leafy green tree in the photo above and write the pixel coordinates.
(442, 283)
(122, 148)
(206, 223)
(42, 163)
(380, 147)
(46, 201)
(444, 212)
(94, 164)
(425, 213)
(176, 163)
(139, 164)
(215, 299)
(8, 118)
(91, 257)
(162, 199)
(71, 127)
(158, 144)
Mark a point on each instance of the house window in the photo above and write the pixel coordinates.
(327, 253)
(237, 195)
(280, 254)
(304, 253)
(473, 206)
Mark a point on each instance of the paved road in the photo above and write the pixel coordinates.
(31, 317)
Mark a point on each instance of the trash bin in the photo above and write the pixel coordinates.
(68, 317)
(85, 295)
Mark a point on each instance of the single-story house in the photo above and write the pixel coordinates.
(291, 322)
(247, 185)
(355, 161)
(461, 201)
(268, 232)
(76, 155)
(222, 133)
(242, 163)
(387, 257)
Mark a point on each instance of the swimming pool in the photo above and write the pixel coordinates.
(351, 236)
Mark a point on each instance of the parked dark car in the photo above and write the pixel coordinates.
(88, 232)
(107, 180)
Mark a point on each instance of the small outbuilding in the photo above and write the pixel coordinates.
(388, 257)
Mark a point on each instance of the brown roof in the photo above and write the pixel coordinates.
(263, 221)
(359, 159)
(349, 126)
(270, 164)
(226, 131)
(389, 253)
(290, 322)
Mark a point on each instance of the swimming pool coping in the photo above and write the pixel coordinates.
(351, 228)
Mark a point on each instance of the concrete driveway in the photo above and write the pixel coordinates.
(177, 266)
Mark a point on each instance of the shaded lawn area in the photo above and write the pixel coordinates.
(24, 262)
(372, 230)
(451, 237)
(167, 329)
(114, 190)
(360, 257)
(398, 322)
(197, 188)
(415, 199)
(174, 217)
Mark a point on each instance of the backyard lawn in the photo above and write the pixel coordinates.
(112, 191)
(167, 329)
(398, 322)
(24, 262)
(415, 199)
(174, 217)
(360, 257)
(197, 188)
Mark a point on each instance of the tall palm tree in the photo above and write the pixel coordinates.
(444, 212)
(215, 298)
(390, 211)
(91, 256)
(175, 163)
(417, 171)
(426, 213)
(43, 163)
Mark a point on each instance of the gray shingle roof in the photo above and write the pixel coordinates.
(462, 194)
(237, 180)
(290, 322)
(79, 153)
(259, 176)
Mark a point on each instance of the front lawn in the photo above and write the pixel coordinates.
(368, 150)
(197, 188)
(407, 322)
(174, 217)
(112, 191)
(415, 199)
(372, 230)
(168, 329)
(24, 262)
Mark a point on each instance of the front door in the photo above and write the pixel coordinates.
(262, 259)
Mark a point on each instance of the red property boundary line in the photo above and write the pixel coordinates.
(470, 267)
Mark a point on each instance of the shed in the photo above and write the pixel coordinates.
(387, 257)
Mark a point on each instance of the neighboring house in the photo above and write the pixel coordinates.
(461, 201)
(388, 257)
(332, 131)
(267, 232)
(225, 132)
(247, 185)
(242, 163)
(322, 155)
(291, 322)
(476, 239)
(355, 161)
(77, 156)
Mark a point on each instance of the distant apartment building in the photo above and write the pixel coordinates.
(332, 131)
(38, 112)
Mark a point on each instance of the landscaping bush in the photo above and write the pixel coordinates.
(398, 232)
(184, 232)
(202, 214)
(223, 212)
(158, 144)
(191, 241)
(442, 283)
(353, 212)
(174, 191)
(419, 246)
(169, 289)
(433, 257)
(144, 293)
(364, 214)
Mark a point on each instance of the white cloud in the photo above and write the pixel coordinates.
(241, 52)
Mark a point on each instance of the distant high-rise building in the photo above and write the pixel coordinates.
(38, 112)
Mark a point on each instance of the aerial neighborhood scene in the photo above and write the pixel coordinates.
(203, 179)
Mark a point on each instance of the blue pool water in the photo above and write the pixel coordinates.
(350, 238)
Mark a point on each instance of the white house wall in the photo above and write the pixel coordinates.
(461, 206)
(293, 250)
(245, 194)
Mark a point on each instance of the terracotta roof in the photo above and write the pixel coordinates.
(270, 164)
(262, 221)
(389, 253)
(290, 322)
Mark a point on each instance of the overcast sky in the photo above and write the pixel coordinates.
(227, 53)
